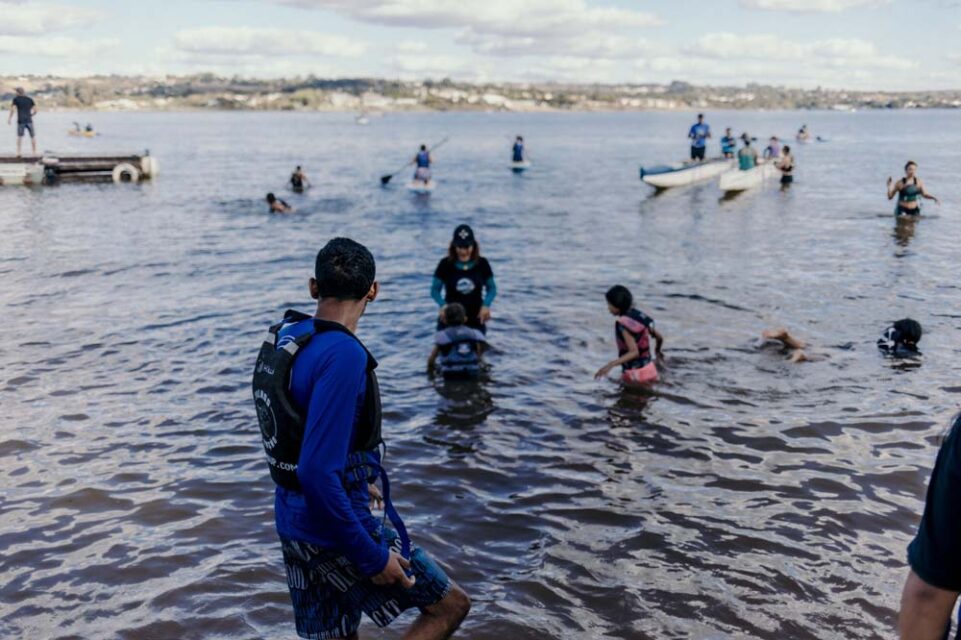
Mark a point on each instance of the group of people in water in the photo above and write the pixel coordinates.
(747, 156)
(318, 405)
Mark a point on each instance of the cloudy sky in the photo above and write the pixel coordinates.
(891, 44)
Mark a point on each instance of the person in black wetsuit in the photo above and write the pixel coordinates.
(909, 189)
(901, 339)
(298, 180)
(934, 580)
(464, 276)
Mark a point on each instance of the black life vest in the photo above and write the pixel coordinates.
(282, 422)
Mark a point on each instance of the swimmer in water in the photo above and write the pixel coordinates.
(277, 205)
(298, 180)
(909, 189)
(901, 339)
(459, 347)
(795, 345)
(633, 330)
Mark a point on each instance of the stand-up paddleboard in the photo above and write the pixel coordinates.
(737, 180)
(523, 165)
(684, 173)
(420, 187)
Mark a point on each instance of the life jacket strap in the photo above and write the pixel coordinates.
(363, 468)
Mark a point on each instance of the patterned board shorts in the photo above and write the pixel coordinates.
(329, 594)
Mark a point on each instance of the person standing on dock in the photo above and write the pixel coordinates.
(699, 133)
(25, 108)
(934, 556)
(318, 405)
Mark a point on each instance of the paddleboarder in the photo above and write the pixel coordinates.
(909, 189)
(517, 152)
(319, 408)
(423, 161)
(699, 134)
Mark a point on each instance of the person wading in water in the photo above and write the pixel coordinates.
(318, 406)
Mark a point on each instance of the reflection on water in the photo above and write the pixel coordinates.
(743, 497)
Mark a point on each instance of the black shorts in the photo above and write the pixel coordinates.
(697, 153)
(787, 179)
(23, 127)
(330, 595)
(910, 213)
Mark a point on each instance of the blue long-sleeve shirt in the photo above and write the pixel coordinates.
(329, 378)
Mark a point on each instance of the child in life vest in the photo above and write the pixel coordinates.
(458, 346)
(633, 330)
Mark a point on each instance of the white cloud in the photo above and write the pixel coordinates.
(510, 27)
(810, 6)
(57, 47)
(502, 17)
(412, 46)
(265, 42)
(591, 45)
(26, 19)
(834, 52)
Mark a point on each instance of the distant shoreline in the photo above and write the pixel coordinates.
(211, 93)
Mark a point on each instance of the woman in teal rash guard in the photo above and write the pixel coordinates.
(464, 276)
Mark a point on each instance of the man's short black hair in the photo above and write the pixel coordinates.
(344, 270)
(620, 298)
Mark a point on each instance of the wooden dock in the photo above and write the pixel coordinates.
(52, 168)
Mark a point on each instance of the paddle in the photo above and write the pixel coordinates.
(385, 179)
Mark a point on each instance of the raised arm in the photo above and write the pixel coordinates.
(893, 187)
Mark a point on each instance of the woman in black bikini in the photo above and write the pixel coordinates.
(909, 189)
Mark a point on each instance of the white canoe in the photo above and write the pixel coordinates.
(17, 174)
(520, 166)
(684, 173)
(737, 180)
(416, 186)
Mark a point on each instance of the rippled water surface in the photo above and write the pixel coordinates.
(747, 498)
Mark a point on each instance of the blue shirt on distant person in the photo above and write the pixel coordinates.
(699, 134)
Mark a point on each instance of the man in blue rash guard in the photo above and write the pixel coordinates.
(933, 583)
(699, 133)
(465, 277)
(321, 432)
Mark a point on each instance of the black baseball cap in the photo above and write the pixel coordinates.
(464, 236)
